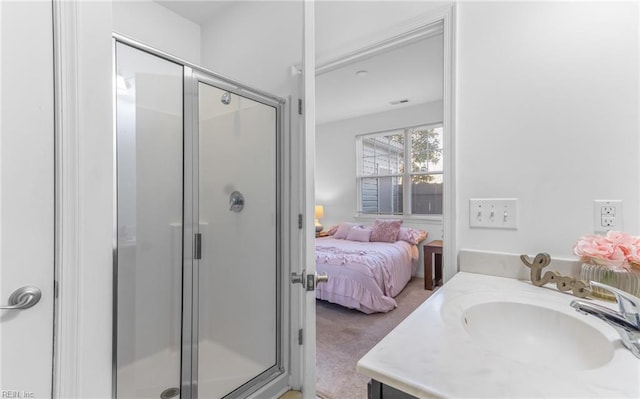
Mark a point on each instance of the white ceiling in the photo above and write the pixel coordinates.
(197, 11)
(412, 72)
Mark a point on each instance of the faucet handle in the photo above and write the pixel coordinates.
(629, 305)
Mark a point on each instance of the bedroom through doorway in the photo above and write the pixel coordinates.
(382, 161)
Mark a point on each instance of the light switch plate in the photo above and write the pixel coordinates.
(493, 213)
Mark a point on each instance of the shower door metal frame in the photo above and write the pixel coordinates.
(192, 75)
(191, 83)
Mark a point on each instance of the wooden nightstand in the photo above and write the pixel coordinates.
(432, 257)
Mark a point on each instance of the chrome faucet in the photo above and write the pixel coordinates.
(626, 320)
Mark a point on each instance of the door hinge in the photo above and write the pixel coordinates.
(197, 246)
(300, 221)
(300, 335)
(56, 290)
(299, 106)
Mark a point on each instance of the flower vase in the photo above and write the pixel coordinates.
(625, 280)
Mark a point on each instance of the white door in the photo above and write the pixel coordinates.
(27, 196)
(308, 201)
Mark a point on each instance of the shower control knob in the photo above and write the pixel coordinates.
(236, 201)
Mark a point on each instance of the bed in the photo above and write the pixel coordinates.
(364, 275)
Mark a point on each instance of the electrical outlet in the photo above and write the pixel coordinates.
(493, 213)
(608, 221)
(608, 210)
(607, 215)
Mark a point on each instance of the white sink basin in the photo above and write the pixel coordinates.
(537, 335)
(482, 336)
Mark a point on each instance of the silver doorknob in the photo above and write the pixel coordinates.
(309, 281)
(298, 278)
(321, 278)
(23, 298)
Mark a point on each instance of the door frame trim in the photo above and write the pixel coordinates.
(83, 202)
(66, 363)
(307, 206)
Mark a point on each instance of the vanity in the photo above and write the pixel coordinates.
(496, 337)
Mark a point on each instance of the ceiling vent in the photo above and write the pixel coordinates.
(397, 102)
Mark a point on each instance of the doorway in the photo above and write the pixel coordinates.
(397, 85)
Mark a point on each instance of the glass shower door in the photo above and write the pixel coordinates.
(238, 274)
(149, 159)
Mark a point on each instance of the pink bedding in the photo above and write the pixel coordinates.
(364, 275)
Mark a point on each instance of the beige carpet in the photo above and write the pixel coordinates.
(345, 335)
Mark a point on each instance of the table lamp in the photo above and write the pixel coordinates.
(319, 214)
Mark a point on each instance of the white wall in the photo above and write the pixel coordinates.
(548, 113)
(159, 27)
(256, 43)
(336, 164)
(529, 76)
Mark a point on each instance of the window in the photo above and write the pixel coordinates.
(387, 160)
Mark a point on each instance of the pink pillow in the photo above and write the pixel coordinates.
(358, 233)
(343, 230)
(385, 230)
(412, 236)
(332, 230)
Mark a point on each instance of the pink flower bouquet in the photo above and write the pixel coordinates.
(615, 250)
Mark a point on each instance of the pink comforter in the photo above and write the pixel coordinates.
(364, 275)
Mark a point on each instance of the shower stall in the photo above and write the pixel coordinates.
(198, 231)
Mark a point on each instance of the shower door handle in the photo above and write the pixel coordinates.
(23, 298)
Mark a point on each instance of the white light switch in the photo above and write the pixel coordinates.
(493, 213)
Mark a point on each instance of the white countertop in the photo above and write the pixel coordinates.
(430, 354)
